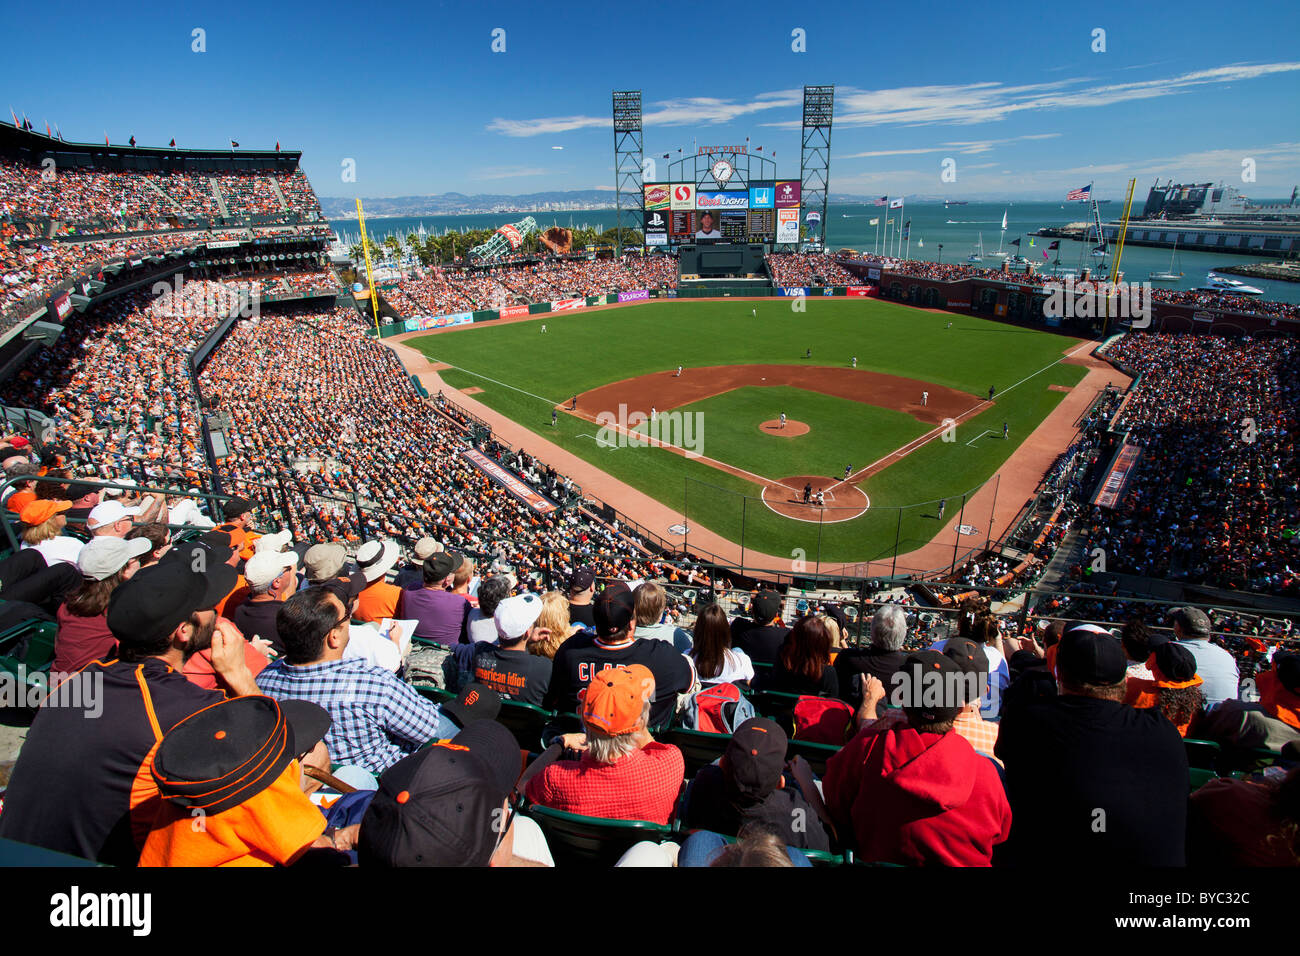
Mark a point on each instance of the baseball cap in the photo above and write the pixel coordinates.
(103, 557)
(441, 806)
(276, 541)
(324, 561)
(1286, 664)
(515, 615)
(79, 489)
(443, 563)
(219, 757)
(476, 702)
(766, 606)
(376, 558)
(1174, 664)
(581, 579)
(346, 588)
(237, 506)
(921, 703)
(159, 598)
(1090, 655)
(1193, 621)
(615, 698)
(41, 510)
(425, 548)
(265, 566)
(614, 609)
(971, 661)
(108, 512)
(755, 758)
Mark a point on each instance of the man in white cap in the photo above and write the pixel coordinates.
(506, 666)
(110, 519)
(324, 562)
(272, 577)
(379, 600)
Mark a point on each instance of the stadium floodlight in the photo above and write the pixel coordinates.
(815, 157)
(629, 188)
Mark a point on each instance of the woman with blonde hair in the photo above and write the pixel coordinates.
(555, 618)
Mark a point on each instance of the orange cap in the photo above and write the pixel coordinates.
(615, 698)
(41, 511)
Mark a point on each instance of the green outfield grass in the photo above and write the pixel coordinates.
(524, 372)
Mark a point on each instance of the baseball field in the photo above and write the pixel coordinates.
(884, 441)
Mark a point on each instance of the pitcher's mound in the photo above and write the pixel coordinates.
(793, 429)
(842, 501)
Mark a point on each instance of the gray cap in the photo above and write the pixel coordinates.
(426, 548)
(103, 557)
(324, 561)
(1193, 621)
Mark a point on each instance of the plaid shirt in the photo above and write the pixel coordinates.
(641, 786)
(377, 719)
(982, 734)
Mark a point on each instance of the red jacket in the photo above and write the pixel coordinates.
(917, 799)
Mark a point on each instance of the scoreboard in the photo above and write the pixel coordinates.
(677, 213)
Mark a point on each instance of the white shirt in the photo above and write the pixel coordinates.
(58, 549)
(736, 666)
(481, 628)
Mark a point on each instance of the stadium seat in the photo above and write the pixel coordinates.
(698, 747)
(438, 695)
(1200, 777)
(38, 653)
(13, 853)
(1202, 754)
(815, 857)
(525, 721)
(815, 754)
(576, 840)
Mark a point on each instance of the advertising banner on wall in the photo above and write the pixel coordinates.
(656, 196)
(862, 291)
(793, 291)
(567, 305)
(421, 323)
(733, 199)
(788, 194)
(683, 196)
(510, 311)
(633, 296)
(787, 225)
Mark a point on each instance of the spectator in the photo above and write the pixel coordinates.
(762, 639)
(272, 577)
(442, 615)
(505, 665)
(1239, 823)
(1216, 667)
(650, 602)
(804, 663)
(623, 773)
(880, 659)
(491, 592)
(1174, 687)
(83, 634)
(582, 589)
(918, 793)
(555, 620)
(380, 599)
(1073, 758)
(716, 661)
(45, 519)
(411, 575)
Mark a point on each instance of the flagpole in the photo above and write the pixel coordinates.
(876, 248)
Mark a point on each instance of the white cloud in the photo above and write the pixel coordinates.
(686, 111)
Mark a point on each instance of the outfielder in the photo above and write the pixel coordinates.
(855, 361)
(925, 398)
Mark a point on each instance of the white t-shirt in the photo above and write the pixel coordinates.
(481, 628)
(736, 666)
(59, 549)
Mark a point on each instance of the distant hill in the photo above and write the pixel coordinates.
(451, 204)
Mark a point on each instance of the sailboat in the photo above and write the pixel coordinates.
(1000, 254)
(1171, 275)
(978, 254)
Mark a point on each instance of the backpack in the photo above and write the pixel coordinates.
(823, 720)
(717, 709)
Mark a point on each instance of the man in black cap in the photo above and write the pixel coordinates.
(761, 638)
(447, 805)
(749, 784)
(238, 513)
(582, 589)
(918, 793)
(81, 784)
(615, 644)
(1091, 781)
(443, 615)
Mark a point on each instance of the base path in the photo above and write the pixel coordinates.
(1002, 496)
(667, 390)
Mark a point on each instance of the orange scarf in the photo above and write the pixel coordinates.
(1276, 700)
(267, 829)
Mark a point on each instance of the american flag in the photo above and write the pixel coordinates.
(1083, 193)
(882, 200)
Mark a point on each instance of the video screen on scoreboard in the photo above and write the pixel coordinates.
(679, 213)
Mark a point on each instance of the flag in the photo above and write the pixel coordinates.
(132, 140)
(1081, 194)
(173, 142)
(874, 222)
(665, 155)
(907, 228)
(883, 200)
(1044, 253)
(277, 145)
(47, 130)
(15, 116)
(1016, 243)
(1056, 244)
(1031, 242)
(234, 144)
(105, 137)
(896, 204)
(759, 149)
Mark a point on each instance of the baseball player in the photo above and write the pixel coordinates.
(555, 417)
(808, 353)
(679, 372)
(543, 326)
(573, 403)
(991, 391)
(848, 470)
(783, 419)
(807, 492)
(821, 499)
(942, 502)
(754, 312)
(1005, 429)
(949, 325)
(653, 413)
(925, 398)
(855, 361)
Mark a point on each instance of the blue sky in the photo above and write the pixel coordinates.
(413, 92)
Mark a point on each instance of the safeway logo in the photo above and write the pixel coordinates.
(682, 193)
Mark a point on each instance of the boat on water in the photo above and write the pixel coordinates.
(1169, 275)
(978, 254)
(953, 202)
(1218, 283)
(1000, 254)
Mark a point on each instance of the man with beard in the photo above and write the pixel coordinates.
(82, 784)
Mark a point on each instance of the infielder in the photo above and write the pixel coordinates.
(783, 419)
(942, 502)
(679, 372)
(1005, 429)
(925, 398)
(855, 361)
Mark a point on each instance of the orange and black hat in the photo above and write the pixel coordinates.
(222, 755)
(1173, 666)
(615, 699)
(442, 805)
(755, 757)
(476, 702)
(41, 510)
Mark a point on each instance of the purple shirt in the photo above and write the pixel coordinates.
(440, 613)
